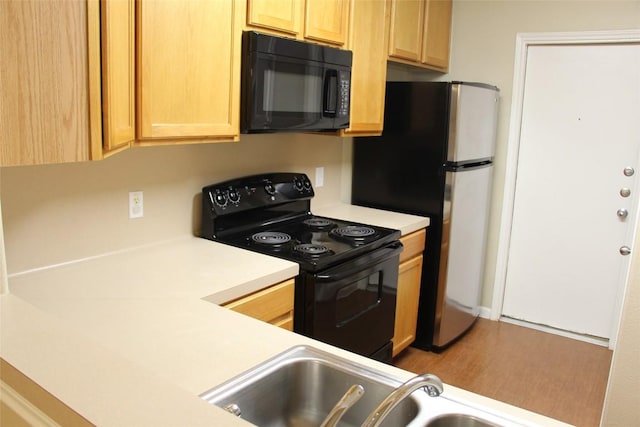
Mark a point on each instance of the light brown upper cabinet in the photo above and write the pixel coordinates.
(420, 33)
(281, 16)
(118, 74)
(368, 40)
(188, 65)
(324, 21)
(50, 82)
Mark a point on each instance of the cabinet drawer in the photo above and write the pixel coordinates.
(413, 244)
(273, 305)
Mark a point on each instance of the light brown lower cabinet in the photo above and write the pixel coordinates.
(409, 277)
(272, 305)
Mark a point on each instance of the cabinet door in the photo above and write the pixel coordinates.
(188, 69)
(326, 20)
(273, 305)
(280, 15)
(368, 39)
(413, 244)
(436, 41)
(45, 71)
(407, 20)
(118, 73)
(407, 304)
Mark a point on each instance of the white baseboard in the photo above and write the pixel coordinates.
(485, 312)
(548, 329)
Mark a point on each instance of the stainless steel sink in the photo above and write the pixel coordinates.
(459, 420)
(300, 387)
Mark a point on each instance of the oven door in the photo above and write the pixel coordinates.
(291, 94)
(352, 306)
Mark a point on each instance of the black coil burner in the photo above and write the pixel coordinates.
(312, 249)
(319, 223)
(354, 231)
(271, 238)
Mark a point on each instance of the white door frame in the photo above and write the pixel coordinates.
(523, 41)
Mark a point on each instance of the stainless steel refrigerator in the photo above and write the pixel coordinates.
(435, 159)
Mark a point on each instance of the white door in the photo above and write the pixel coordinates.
(580, 129)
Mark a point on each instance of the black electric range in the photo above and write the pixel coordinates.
(270, 214)
(346, 291)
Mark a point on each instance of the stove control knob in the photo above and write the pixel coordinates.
(307, 184)
(219, 198)
(270, 189)
(297, 184)
(234, 195)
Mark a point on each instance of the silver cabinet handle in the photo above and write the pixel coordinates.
(625, 250)
(625, 192)
(622, 213)
(628, 171)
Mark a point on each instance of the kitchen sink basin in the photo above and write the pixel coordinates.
(459, 420)
(300, 387)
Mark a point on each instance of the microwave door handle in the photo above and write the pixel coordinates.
(330, 97)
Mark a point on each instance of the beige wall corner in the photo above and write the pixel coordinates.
(3, 263)
(622, 401)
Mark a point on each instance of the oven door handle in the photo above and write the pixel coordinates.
(360, 264)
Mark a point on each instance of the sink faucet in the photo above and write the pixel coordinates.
(431, 384)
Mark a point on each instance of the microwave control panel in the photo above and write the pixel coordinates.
(344, 89)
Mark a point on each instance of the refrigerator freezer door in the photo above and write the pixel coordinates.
(472, 123)
(465, 219)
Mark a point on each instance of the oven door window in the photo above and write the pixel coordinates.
(357, 298)
(289, 93)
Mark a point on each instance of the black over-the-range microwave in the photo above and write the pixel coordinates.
(289, 85)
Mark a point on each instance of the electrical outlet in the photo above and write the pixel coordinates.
(136, 205)
(319, 177)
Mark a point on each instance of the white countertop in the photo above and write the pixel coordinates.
(133, 337)
(403, 222)
(189, 268)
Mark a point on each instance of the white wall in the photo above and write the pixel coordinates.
(58, 213)
(622, 403)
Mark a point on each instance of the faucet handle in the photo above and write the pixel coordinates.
(432, 384)
(351, 396)
(431, 391)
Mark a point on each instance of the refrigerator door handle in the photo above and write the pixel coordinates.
(467, 166)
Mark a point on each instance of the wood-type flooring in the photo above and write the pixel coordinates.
(559, 377)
